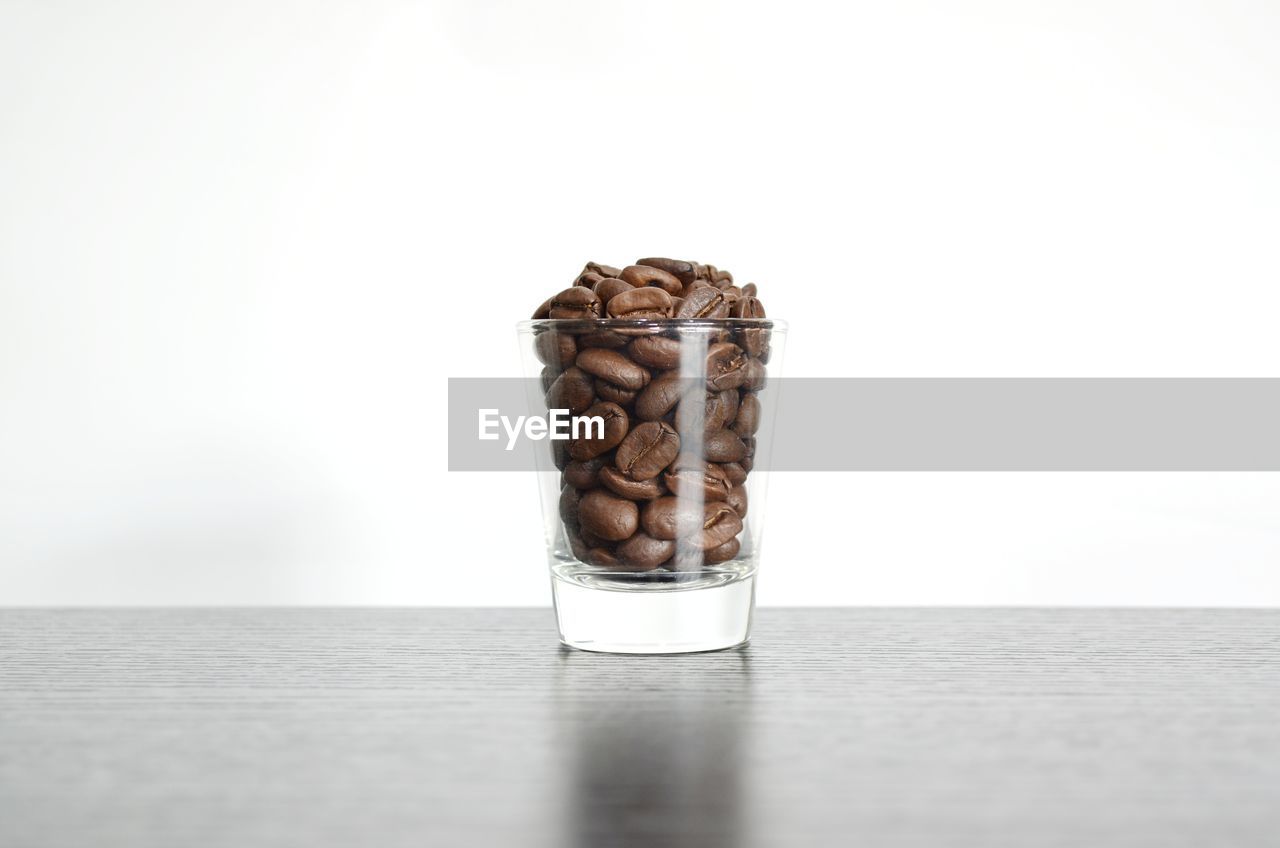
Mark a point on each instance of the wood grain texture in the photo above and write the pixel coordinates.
(473, 727)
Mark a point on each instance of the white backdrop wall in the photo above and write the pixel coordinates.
(243, 244)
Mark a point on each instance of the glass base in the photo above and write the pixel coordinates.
(609, 616)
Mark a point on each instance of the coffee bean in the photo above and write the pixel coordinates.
(646, 303)
(585, 474)
(614, 367)
(747, 420)
(602, 270)
(693, 478)
(656, 351)
(633, 490)
(725, 366)
(569, 498)
(722, 553)
(590, 443)
(607, 515)
(647, 450)
(734, 472)
(609, 288)
(704, 302)
(719, 524)
(685, 272)
(644, 275)
(573, 390)
(555, 348)
(614, 394)
(660, 396)
(611, 339)
(645, 552)
(668, 516)
(631, 499)
(718, 409)
(602, 557)
(579, 547)
(578, 302)
(724, 446)
(754, 379)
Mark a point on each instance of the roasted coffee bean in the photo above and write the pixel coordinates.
(720, 523)
(722, 553)
(736, 474)
(656, 351)
(644, 275)
(714, 275)
(602, 270)
(614, 367)
(556, 348)
(590, 443)
(549, 374)
(747, 420)
(749, 458)
(578, 302)
(645, 552)
(611, 339)
(704, 302)
(602, 557)
(691, 504)
(661, 396)
(685, 272)
(718, 410)
(569, 498)
(609, 288)
(748, 306)
(724, 446)
(667, 517)
(633, 490)
(755, 376)
(692, 477)
(614, 394)
(725, 366)
(576, 545)
(647, 450)
(585, 474)
(573, 390)
(608, 516)
(647, 303)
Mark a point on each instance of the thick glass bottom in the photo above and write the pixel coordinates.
(652, 613)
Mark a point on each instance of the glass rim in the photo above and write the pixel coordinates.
(588, 324)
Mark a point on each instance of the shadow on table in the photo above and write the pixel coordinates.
(655, 747)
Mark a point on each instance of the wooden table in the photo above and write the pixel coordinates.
(433, 727)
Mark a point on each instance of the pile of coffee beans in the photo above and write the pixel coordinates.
(629, 496)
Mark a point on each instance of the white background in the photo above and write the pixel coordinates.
(243, 244)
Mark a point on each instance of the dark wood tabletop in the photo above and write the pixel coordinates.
(184, 728)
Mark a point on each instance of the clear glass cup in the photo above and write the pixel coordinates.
(653, 514)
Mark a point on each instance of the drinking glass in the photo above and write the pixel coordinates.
(654, 541)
